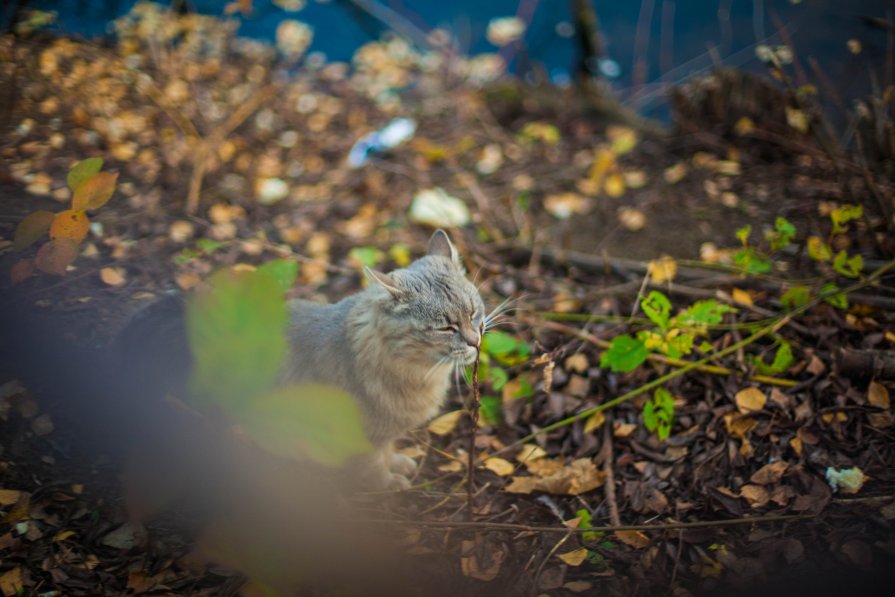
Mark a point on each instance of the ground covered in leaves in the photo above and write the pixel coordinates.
(623, 254)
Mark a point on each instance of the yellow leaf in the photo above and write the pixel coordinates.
(635, 179)
(454, 466)
(614, 186)
(797, 119)
(663, 269)
(112, 276)
(445, 423)
(742, 297)
(632, 218)
(634, 539)
(604, 161)
(530, 452)
(564, 205)
(500, 466)
(676, 173)
(574, 558)
(818, 249)
(594, 422)
(623, 139)
(878, 395)
(750, 400)
(63, 535)
(744, 126)
(796, 445)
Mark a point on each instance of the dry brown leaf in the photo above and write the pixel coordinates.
(635, 539)
(8, 497)
(11, 582)
(112, 276)
(878, 395)
(579, 477)
(454, 466)
(750, 400)
(623, 429)
(578, 586)
(574, 558)
(500, 466)
(486, 572)
(769, 473)
(63, 535)
(676, 173)
(738, 425)
(756, 495)
(445, 423)
(577, 363)
(632, 218)
(530, 453)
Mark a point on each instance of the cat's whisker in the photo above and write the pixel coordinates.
(438, 364)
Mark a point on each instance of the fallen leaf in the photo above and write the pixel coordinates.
(63, 535)
(577, 363)
(21, 271)
(750, 400)
(756, 495)
(622, 430)
(112, 276)
(878, 395)
(438, 209)
(632, 218)
(676, 173)
(663, 269)
(635, 539)
(530, 453)
(11, 582)
(578, 586)
(579, 477)
(94, 192)
(769, 473)
(594, 422)
(614, 186)
(125, 537)
(488, 571)
(500, 466)
(445, 423)
(454, 466)
(8, 497)
(574, 558)
(742, 297)
(564, 205)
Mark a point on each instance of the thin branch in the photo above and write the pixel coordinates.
(474, 424)
(669, 526)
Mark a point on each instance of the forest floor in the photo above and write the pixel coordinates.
(570, 213)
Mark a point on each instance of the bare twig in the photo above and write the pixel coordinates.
(609, 483)
(474, 423)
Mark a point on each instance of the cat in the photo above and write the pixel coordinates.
(393, 347)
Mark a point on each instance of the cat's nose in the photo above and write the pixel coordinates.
(472, 337)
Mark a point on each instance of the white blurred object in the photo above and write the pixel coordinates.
(438, 209)
(391, 135)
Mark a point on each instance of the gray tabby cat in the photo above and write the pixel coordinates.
(393, 347)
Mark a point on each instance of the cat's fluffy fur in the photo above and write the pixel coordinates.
(393, 347)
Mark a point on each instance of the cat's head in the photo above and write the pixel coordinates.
(430, 311)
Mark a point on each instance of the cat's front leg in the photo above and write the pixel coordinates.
(386, 469)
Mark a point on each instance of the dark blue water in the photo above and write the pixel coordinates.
(669, 39)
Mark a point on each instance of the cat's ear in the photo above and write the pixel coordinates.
(441, 245)
(386, 281)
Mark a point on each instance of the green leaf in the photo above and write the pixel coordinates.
(31, 228)
(314, 421)
(783, 233)
(491, 408)
(498, 377)
(507, 349)
(849, 267)
(702, 314)
(743, 234)
(369, 256)
(831, 296)
(844, 214)
(658, 413)
(657, 307)
(82, 171)
(650, 419)
(586, 522)
(237, 335)
(678, 345)
(818, 250)
(624, 354)
(283, 271)
(208, 245)
(751, 262)
(796, 296)
(783, 359)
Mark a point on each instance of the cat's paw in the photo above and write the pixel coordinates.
(398, 482)
(401, 464)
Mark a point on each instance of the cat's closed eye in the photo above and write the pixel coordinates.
(448, 327)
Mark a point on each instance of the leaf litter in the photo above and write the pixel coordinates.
(280, 184)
